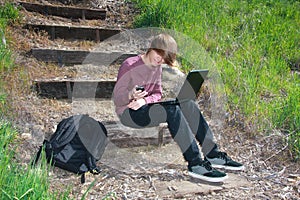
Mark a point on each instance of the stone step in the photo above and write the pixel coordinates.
(72, 57)
(125, 137)
(74, 32)
(65, 11)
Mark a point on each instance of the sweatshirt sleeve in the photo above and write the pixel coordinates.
(121, 91)
(156, 93)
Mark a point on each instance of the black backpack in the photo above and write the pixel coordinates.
(77, 144)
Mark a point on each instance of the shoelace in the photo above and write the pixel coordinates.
(224, 156)
(207, 165)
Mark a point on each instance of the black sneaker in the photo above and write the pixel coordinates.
(223, 161)
(204, 171)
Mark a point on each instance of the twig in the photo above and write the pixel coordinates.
(277, 152)
(151, 183)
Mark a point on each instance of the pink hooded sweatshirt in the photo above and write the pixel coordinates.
(134, 72)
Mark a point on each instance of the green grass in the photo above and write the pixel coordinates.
(254, 46)
(8, 14)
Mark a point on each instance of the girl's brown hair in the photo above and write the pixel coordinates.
(166, 46)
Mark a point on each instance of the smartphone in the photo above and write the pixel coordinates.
(141, 88)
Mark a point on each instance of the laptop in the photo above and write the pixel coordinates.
(189, 89)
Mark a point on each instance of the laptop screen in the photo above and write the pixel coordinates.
(192, 85)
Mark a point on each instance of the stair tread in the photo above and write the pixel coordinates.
(64, 11)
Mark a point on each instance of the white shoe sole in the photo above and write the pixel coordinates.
(241, 168)
(208, 179)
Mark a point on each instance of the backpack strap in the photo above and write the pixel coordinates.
(91, 162)
(82, 179)
(94, 171)
(38, 154)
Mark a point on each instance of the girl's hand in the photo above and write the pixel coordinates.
(136, 94)
(136, 104)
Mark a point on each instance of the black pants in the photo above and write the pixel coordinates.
(185, 122)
